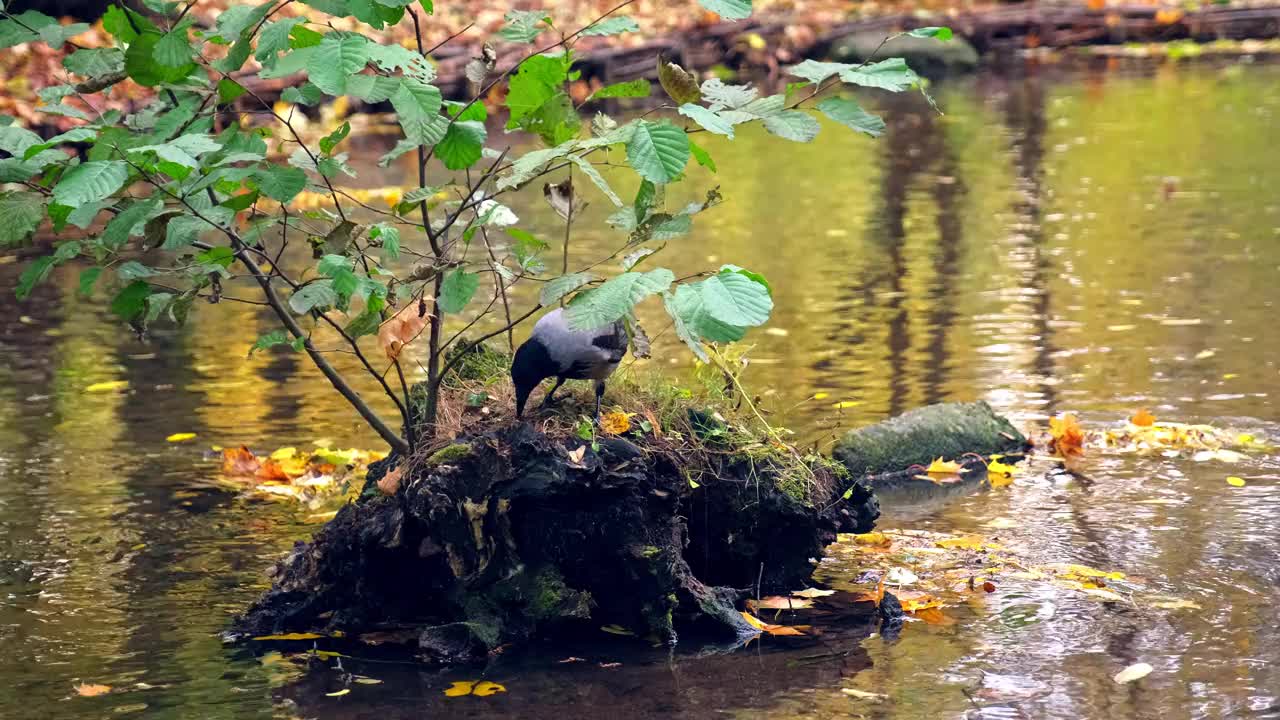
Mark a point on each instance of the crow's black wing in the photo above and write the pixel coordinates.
(614, 340)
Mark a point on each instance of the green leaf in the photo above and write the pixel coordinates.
(728, 9)
(131, 301)
(530, 164)
(708, 120)
(141, 65)
(658, 151)
(523, 25)
(115, 22)
(330, 141)
(95, 62)
(305, 94)
(302, 37)
(892, 74)
(55, 35)
(719, 95)
(632, 88)
(33, 275)
(220, 256)
(229, 90)
(632, 259)
(556, 288)
(614, 25)
(849, 113)
(457, 289)
(599, 306)
(133, 270)
(184, 230)
(596, 178)
(389, 235)
(337, 57)
(19, 30)
(21, 213)
(372, 88)
(816, 72)
(280, 183)
(313, 296)
(89, 278)
(418, 108)
(130, 222)
(735, 299)
(90, 182)
(793, 125)
(269, 340)
(462, 144)
(556, 121)
(694, 324)
(16, 140)
(366, 323)
(941, 33)
(173, 49)
(537, 81)
(679, 84)
(274, 38)
(83, 216)
(702, 156)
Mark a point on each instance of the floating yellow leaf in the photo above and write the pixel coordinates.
(943, 467)
(966, 542)
(284, 453)
(91, 690)
(460, 688)
(482, 688)
(486, 688)
(765, 627)
(1235, 481)
(1079, 572)
(290, 636)
(109, 386)
(1000, 474)
(872, 538)
(617, 630)
(615, 423)
(916, 602)
(368, 681)
(180, 437)
(1136, 671)
(339, 693)
(821, 396)
(1176, 604)
(1142, 418)
(846, 404)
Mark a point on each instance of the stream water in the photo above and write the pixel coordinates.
(1088, 242)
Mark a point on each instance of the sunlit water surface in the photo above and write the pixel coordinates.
(1091, 242)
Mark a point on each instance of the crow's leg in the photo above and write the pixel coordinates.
(599, 394)
(546, 401)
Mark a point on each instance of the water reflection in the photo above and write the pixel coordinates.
(1091, 243)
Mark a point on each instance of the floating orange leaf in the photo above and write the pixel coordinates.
(91, 690)
(1068, 436)
(778, 602)
(239, 461)
(1142, 418)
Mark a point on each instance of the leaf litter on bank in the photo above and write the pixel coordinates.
(307, 477)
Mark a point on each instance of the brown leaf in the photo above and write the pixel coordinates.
(402, 328)
(390, 482)
(91, 690)
(561, 197)
(239, 462)
(680, 85)
(575, 456)
(778, 602)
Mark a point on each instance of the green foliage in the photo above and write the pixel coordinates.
(185, 201)
(615, 299)
(658, 151)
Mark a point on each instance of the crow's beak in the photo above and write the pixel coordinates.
(522, 396)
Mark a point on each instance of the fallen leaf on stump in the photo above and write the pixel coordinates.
(390, 482)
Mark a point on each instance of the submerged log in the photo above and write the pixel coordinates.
(946, 430)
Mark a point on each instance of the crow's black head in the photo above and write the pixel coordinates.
(531, 365)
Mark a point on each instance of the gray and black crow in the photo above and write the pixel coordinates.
(556, 350)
